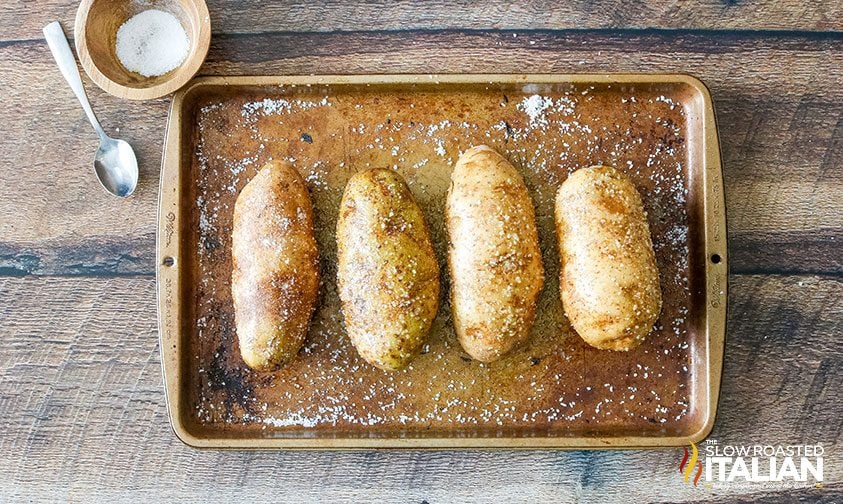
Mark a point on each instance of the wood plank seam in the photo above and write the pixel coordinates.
(678, 33)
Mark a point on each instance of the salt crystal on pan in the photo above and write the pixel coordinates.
(152, 43)
(534, 106)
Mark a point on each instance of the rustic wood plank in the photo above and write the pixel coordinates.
(737, 62)
(781, 134)
(81, 392)
(24, 20)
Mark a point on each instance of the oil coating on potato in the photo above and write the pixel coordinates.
(609, 281)
(387, 271)
(275, 277)
(494, 255)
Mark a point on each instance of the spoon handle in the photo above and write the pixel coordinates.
(67, 64)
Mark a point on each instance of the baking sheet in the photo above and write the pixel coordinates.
(554, 391)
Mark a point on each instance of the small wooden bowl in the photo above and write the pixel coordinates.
(97, 22)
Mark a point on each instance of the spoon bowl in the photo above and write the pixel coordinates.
(116, 167)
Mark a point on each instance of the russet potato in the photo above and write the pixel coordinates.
(275, 276)
(388, 276)
(609, 281)
(494, 256)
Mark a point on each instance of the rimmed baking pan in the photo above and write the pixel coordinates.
(555, 391)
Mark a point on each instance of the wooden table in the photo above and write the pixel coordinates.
(80, 380)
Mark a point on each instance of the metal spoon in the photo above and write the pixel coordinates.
(115, 162)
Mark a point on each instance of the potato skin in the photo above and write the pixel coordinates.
(387, 272)
(275, 275)
(494, 255)
(609, 281)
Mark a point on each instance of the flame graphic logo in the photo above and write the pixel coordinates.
(686, 467)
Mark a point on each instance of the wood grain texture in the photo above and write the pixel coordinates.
(80, 389)
(23, 22)
(781, 134)
(80, 380)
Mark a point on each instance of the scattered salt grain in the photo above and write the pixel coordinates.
(534, 106)
(152, 43)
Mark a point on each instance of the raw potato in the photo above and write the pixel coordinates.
(275, 277)
(387, 271)
(609, 281)
(494, 255)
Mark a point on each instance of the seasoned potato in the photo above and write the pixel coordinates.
(609, 281)
(275, 277)
(387, 271)
(494, 255)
